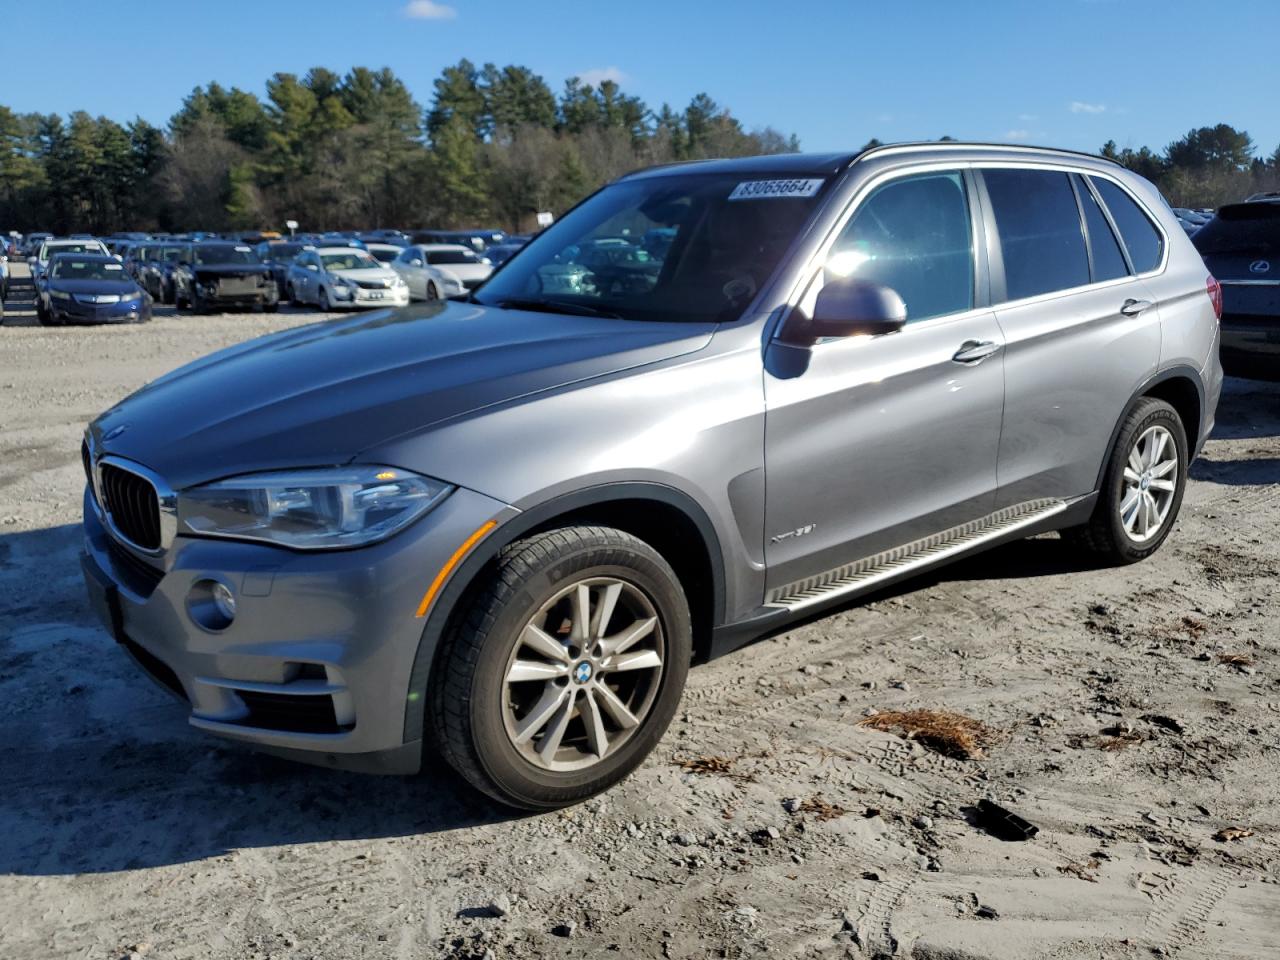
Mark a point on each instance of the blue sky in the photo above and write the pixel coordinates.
(1070, 73)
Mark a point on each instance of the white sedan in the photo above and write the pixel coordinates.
(40, 265)
(334, 278)
(437, 270)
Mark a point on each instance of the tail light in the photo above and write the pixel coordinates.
(1214, 289)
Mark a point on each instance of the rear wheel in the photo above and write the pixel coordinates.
(1142, 488)
(432, 292)
(564, 669)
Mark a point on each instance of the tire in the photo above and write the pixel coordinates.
(271, 307)
(293, 296)
(432, 292)
(1107, 534)
(325, 303)
(477, 709)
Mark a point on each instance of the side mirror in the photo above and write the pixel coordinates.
(415, 262)
(313, 268)
(848, 307)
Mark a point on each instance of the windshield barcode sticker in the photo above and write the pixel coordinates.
(774, 189)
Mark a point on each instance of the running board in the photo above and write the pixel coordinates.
(908, 558)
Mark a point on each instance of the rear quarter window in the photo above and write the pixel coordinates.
(1139, 234)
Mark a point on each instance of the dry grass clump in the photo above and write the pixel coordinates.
(821, 809)
(712, 766)
(1236, 659)
(944, 732)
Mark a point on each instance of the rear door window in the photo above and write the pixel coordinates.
(1040, 232)
(914, 236)
(1108, 259)
(1140, 235)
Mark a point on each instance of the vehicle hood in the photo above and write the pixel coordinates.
(108, 287)
(465, 271)
(217, 270)
(367, 273)
(319, 395)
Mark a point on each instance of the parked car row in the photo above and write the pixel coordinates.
(1240, 244)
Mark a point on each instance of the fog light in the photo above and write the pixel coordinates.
(211, 604)
(224, 600)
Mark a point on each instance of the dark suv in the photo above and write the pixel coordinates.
(1241, 247)
(221, 275)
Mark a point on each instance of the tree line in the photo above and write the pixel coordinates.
(494, 147)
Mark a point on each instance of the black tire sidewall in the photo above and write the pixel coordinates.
(515, 778)
(1152, 413)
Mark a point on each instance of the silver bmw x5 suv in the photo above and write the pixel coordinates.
(507, 524)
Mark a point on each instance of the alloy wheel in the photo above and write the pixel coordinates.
(583, 674)
(1150, 484)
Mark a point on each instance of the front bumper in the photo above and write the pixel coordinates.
(72, 311)
(262, 297)
(372, 299)
(316, 663)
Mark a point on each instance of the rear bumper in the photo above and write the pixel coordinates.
(317, 661)
(1251, 346)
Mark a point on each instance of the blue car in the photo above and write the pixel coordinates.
(90, 288)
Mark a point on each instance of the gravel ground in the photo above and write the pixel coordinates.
(768, 823)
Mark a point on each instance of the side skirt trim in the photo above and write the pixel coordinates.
(906, 559)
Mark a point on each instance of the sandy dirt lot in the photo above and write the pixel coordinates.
(1136, 716)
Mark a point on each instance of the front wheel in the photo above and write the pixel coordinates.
(1142, 488)
(564, 669)
(432, 292)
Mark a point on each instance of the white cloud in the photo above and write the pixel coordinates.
(599, 75)
(1027, 117)
(1078, 106)
(1017, 135)
(429, 10)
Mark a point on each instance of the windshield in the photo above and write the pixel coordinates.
(50, 250)
(65, 268)
(282, 252)
(723, 234)
(173, 254)
(224, 254)
(1241, 228)
(451, 256)
(354, 260)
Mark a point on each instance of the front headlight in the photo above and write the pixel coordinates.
(59, 295)
(398, 281)
(311, 509)
(131, 297)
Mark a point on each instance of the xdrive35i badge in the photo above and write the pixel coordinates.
(797, 532)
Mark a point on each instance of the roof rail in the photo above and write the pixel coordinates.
(969, 144)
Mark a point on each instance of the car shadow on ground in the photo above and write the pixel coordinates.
(102, 773)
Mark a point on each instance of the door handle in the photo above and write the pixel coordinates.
(1131, 308)
(975, 351)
